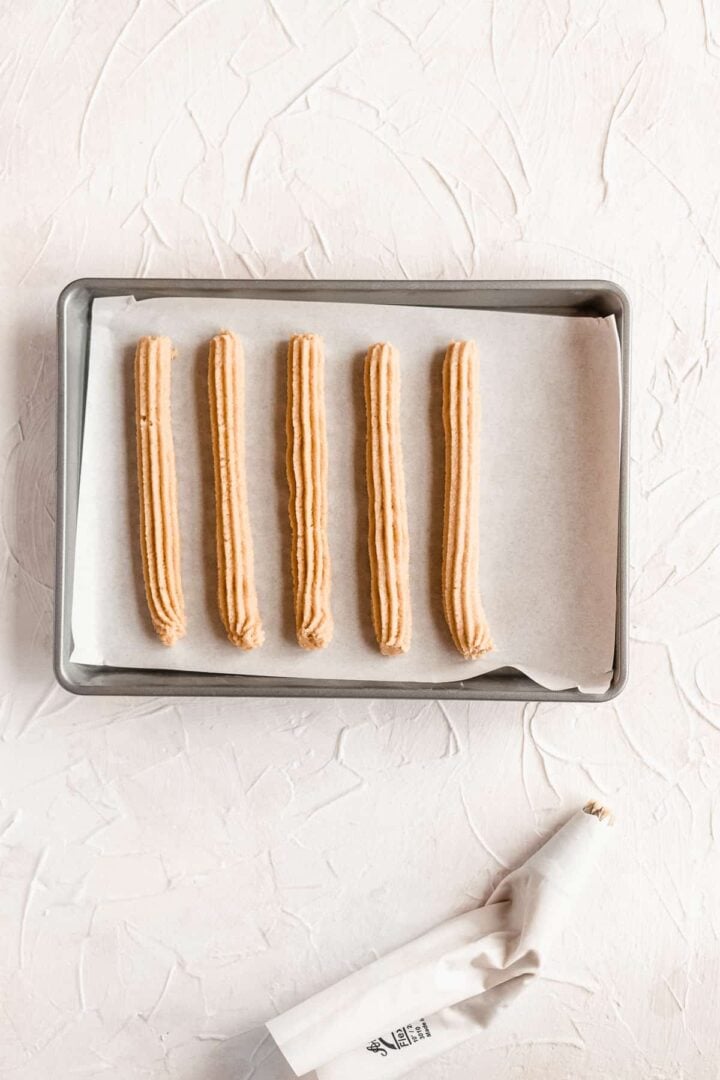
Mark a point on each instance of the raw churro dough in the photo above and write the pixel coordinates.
(237, 599)
(307, 479)
(157, 486)
(461, 590)
(388, 542)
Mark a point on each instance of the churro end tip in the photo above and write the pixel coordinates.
(394, 649)
(171, 634)
(309, 336)
(248, 638)
(314, 639)
(162, 339)
(477, 652)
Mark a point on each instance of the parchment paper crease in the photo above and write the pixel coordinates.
(549, 462)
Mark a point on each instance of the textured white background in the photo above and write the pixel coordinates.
(172, 873)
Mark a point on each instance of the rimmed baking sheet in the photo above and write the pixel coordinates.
(550, 389)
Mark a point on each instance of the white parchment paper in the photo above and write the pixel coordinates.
(549, 463)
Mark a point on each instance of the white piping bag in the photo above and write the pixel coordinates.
(446, 986)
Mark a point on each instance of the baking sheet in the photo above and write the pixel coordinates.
(549, 462)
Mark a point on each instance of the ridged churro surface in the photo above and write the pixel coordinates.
(307, 479)
(157, 486)
(460, 584)
(388, 542)
(237, 598)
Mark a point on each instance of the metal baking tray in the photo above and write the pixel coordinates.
(74, 310)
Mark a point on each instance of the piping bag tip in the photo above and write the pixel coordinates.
(602, 813)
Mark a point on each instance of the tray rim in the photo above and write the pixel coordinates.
(149, 683)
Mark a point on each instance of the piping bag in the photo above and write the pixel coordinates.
(446, 986)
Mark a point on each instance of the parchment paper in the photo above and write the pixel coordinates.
(549, 461)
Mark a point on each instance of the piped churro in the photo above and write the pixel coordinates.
(388, 542)
(157, 485)
(460, 585)
(237, 599)
(307, 479)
